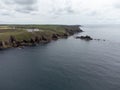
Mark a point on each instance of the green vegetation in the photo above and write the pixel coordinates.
(20, 33)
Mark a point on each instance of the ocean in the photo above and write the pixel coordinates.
(65, 64)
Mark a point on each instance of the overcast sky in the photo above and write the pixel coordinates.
(60, 11)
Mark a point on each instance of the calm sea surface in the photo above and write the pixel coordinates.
(65, 64)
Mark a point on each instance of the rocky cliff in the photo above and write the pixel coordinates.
(46, 34)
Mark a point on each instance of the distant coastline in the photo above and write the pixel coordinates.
(29, 35)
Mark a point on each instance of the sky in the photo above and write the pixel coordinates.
(59, 11)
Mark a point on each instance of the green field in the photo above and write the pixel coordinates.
(29, 33)
(20, 32)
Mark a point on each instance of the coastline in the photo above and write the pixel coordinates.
(20, 37)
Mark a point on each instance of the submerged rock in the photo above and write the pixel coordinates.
(100, 39)
(84, 37)
(87, 38)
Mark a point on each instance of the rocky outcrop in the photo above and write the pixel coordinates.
(84, 37)
(87, 38)
(37, 40)
(13, 42)
(55, 36)
(72, 29)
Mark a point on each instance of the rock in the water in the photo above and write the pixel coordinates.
(100, 39)
(84, 37)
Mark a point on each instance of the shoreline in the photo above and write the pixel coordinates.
(45, 35)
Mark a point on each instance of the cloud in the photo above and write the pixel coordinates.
(21, 2)
(64, 7)
(117, 5)
(25, 2)
(60, 11)
(92, 13)
(3, 10)
(4, 13)
(26, 9)
(64, 10)
(22, 6)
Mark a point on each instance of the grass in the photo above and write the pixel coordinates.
(20, 33)
(5, 27)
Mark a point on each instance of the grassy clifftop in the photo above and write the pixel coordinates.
(24, 35)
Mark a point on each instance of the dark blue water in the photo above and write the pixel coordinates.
(66, 64)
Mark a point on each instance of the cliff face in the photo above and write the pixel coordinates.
(47, 34)
(72, 29)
